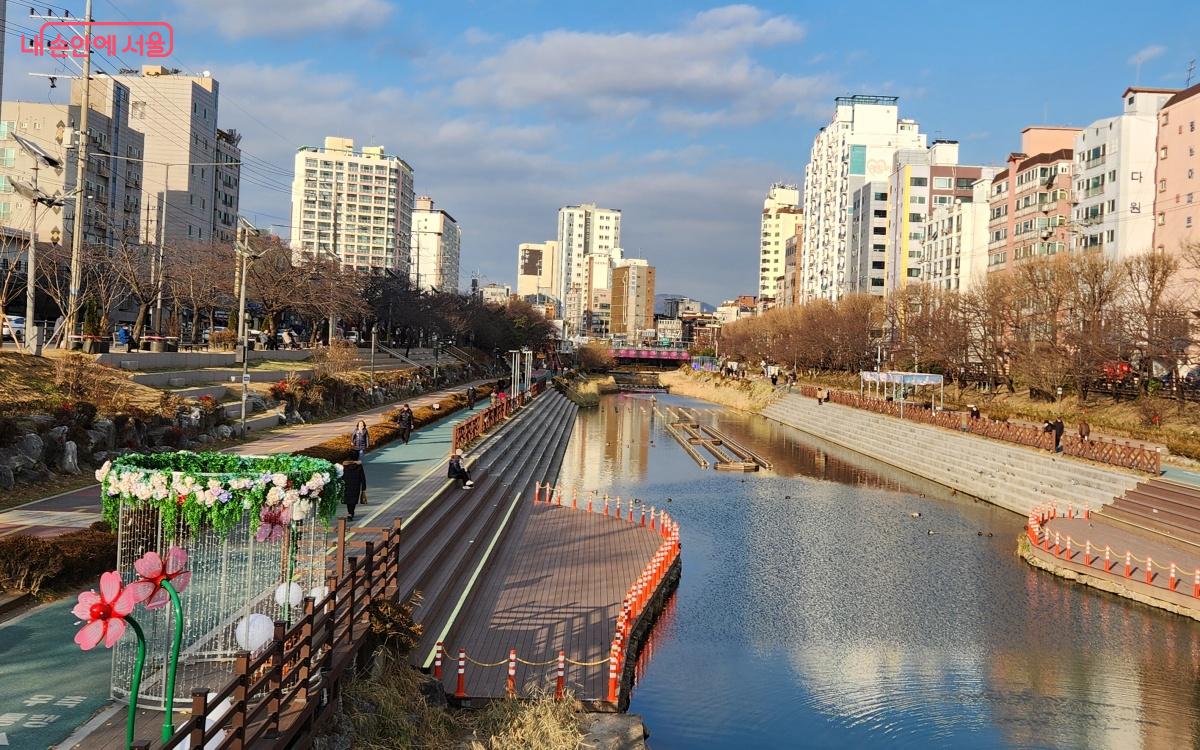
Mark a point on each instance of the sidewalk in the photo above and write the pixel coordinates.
(80, 508)
(37, 648)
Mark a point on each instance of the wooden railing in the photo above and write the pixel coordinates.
(1127, 455)
(473, 428)
(290, 686)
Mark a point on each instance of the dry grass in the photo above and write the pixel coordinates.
(747, 395)
(389, 711)
(38, 384)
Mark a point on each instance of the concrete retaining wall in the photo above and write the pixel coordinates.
(1011, 476)
(191, 360)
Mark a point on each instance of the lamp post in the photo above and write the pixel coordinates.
(374, 331)
(246, 254)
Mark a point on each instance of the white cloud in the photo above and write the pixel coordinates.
(699, 75)
(238, 19)
(1146, 54)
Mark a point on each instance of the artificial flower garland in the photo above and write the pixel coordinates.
(217, 490)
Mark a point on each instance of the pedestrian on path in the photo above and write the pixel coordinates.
(405, 420)
(820, 396)
(458, 471)
(355, 482)
(471, 397)
(360, 439)
(1057, 427)
(1085, 429)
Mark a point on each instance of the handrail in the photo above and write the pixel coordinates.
(393, 353)
(473, 428)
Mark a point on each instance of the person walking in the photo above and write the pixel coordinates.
(405, 420)
(354, 479)
(1085, 429)
(1057, 427)
(820, 396)
(459, 472)
(360, 439)
(471, 397)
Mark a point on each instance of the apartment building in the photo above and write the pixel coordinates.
(584, 230)
(1114, 177)
(632, 298)
(228, 185)
(868, 234)
(355, 206)
(1030, 204)
(789, 284)
(436, 247)
(114, 175)
(781, 214)
(495, 294)
(956, 236)
(176, 113)
(856, 147)
(539, 271)
(921, 180)
(1177, 172)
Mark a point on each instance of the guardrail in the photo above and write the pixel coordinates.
(1127, 455)
(473, 428)
(291, 684)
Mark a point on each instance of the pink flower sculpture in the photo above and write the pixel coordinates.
(274, 521)
(105, 612)
(153, 571)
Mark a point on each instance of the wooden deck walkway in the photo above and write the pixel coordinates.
(557, 584)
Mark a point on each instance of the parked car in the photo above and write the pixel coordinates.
(14, 328)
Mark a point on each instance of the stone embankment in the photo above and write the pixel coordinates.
(747, 395)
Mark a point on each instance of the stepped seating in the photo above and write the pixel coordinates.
(1012, 476)
(443, 546)
(1161, 506)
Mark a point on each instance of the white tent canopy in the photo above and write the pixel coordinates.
(900, 382)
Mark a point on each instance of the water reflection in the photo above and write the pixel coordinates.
(816, 610)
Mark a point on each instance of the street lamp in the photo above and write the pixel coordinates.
(374, 332)
(246, 254)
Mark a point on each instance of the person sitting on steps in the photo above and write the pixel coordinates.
(459, 472)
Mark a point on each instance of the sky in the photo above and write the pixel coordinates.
(680, 114)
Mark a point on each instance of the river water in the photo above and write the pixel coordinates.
(817, 611)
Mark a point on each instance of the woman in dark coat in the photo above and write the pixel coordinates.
(355, 482)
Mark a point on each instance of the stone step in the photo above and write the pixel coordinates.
(217, 392)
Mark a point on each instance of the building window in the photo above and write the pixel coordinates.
(918, 181)
(1187, 221)
(942, 183)
(1162, 186)
(879, 196)
(1162, 152)
(1162, 218)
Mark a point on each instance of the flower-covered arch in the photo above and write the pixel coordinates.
(255, 530)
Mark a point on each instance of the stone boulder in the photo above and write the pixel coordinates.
(68, 462)
(99, 457)
(7, 480)
(31, 447)
(223, 432)
(41, 421)
(97, 441)
(155, 435)
(203, 438)
(57, 435)
(108, 434)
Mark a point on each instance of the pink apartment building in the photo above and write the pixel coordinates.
(1177, 182)
(1030, 204)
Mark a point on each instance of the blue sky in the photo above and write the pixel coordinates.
(679, 114)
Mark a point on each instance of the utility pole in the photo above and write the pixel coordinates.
(31, 268)
(245, 231)
(81, 162)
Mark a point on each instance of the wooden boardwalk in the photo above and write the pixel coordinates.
(557, 584)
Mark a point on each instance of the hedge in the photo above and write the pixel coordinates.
(29, 563)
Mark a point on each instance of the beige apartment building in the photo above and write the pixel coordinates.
(1030, 203)
(781, 214)
(1177, 172)
(437, 243)
(632, 298)
(355, 206)
(191, 175)
(538, 271)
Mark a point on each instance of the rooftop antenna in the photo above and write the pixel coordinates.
(1191, 71)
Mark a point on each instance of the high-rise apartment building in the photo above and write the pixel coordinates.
(355, 206)
(1177, 172)
(789, 293)
(1114, 177)
(1030, 203)
(177, 115)
(583, 231)
(780, 215)
(632, 298)
(956, 236)
(114, 175)
(921, 180)
(855, 148)
(228, 185)
(436, 247)
(868, 234)
(539, 271)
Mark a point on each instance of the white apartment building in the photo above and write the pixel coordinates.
(585, 230)
(1114, 190)
(539, 271)
(855, 148)
(187, 166)
(356, 206)
(228, 185)
(494, 294)
(436, 247)
(956, 240)
(780, 215)
(867, 252)
(114, 185)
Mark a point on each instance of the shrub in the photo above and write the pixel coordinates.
(26, 562)
(85, 554)
(226, 339)
(9, 431)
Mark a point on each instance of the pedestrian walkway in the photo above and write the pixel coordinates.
(80, 508)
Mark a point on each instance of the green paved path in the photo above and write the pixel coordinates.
(49, 686)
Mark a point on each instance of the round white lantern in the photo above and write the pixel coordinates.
(254, 631)
(319, 593)
(289, 593)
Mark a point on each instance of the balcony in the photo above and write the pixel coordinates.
(1092, 192)
(1098, 161)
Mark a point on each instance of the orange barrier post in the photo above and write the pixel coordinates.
(1149, 570)
(590, 498)
(1087, 554)
(561, 682)
(612, 675)
(1087, 511)
(558, 496)
(643, 516)
(510, 688)
(652, 509)
(606, 504)
(1172, 582)
(1196, 585)
(631, 510)
(1067, 552)
(460, 690)
(1057, 547)
(1128, 565)
(618, 506)
(1107, 561)
(575, 498)
(437, 661)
